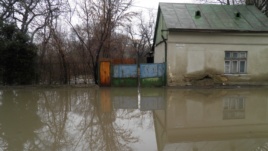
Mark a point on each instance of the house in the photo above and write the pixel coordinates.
(205, 44)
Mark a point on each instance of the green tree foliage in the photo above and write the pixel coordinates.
(17, 56)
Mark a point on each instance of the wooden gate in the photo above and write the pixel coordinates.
(105, 73)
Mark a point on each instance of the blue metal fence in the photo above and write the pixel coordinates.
(152, 74)
(125, 71)
(125, 75)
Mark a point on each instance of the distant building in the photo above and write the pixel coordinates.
(222, 44)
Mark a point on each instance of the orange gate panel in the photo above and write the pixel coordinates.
(105, 73)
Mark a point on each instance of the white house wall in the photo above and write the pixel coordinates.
(191, 55)
(159, 53)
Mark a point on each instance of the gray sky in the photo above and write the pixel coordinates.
(154, 3)
(145, 5)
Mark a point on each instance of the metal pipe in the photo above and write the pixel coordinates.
(165, 75)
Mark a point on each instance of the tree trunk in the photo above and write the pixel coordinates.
(59, 44)
(228, 2)
(65, 71)
(96, 73)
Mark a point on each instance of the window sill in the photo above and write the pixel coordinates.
(236, 74)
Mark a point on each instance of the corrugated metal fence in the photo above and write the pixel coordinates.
(125, 75)
(148, 75)
(152, 74)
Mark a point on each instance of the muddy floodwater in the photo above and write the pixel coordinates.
(122, 119)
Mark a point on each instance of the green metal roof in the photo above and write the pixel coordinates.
(241, 18)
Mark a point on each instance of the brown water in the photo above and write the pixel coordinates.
(121, 119)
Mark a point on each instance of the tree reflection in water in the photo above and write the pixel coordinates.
(76, 120)
(53, 110)
(66, 119)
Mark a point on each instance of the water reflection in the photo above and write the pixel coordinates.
(114, 119)
(126, 98)
(152, 99)
(74, 120)
(222, 120)
(82, 120)
(18, 120)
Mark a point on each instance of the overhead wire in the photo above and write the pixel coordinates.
(143, 7)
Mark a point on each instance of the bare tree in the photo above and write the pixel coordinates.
(121, 48)
(51, 35)
(142, 37)
(260, 4)
(6, 9)
(30, 15)
(99, 20)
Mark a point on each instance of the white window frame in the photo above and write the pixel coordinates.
(234, 108)
(232, 62)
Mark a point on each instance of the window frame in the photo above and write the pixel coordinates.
(234, 107)
(234, 60)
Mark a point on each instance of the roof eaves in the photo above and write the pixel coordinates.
(216, 30)
(156, 25)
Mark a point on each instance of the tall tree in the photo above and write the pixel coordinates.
(99, 20)
(51, 39)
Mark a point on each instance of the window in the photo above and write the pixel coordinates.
(233, 108)
(235, 62)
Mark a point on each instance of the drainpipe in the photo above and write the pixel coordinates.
(165, 75)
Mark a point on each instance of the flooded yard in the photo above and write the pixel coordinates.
(121, 119)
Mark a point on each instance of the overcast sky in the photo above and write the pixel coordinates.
(145, 5)
(154, 3)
